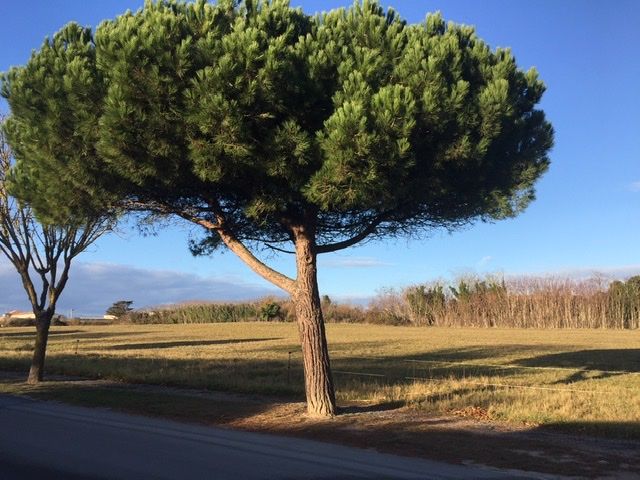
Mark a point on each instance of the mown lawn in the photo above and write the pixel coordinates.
(590, 380)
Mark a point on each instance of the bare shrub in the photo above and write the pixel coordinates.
(389, 307)
(344, 313)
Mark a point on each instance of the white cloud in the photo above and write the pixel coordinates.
(484, 261)
(353, 262)
(617, 272)
(358, 300)
(93, 287)
(607, 272)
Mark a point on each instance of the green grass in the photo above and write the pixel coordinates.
(591, 381)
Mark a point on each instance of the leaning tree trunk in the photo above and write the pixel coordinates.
(43, 322)
(318, 381)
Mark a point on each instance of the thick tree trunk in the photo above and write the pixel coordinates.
(319, 389)
(43, 322)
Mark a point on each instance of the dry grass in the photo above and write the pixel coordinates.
(596, 390)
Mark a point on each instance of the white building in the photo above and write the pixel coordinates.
(19, 315)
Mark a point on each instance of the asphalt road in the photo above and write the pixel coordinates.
(48, 440)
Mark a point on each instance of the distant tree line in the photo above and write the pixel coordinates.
(522, 302)
(266, 309)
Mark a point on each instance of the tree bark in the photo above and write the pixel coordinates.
(315, 354)
(43, 322)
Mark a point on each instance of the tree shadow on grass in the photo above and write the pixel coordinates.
(465, 362)
(67, 335)
(625, 360)
(482, 361)
(32, 333)
(279, 376)
(187, 343)
(261, 376)
(491, 353)
(583, 375)
(594, 364)
(398, 404)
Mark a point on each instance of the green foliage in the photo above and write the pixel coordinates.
(120, 308)
(624, 299)
(326, 301)
(425, 302)
(350, 121)
(200, 313)
(270, 311)
(56, 98)
(467, 289)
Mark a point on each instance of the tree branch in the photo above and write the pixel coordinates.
(236, 246)
(278, 249)
(364, 233)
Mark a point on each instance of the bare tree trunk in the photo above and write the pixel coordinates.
(319, 388)
(43, 322)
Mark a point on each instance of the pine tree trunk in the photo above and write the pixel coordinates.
(317, 369)
(43, 322)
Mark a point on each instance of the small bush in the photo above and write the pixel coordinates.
(270, 311)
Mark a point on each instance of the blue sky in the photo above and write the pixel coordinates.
(585, 218)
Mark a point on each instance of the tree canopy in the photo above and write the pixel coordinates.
(120, 308)
(265, 115)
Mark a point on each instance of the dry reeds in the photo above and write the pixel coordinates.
(523, 302)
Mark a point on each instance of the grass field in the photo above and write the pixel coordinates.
(573, 379)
